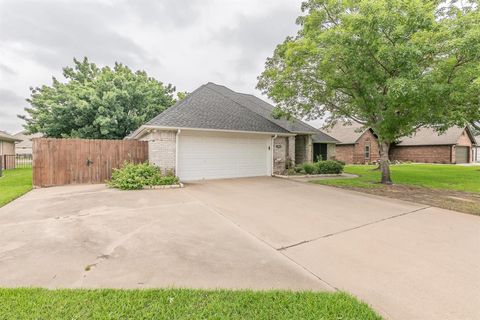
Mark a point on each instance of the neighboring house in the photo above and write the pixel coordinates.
(357, 145)
(24, 146)
(476, 150)
(7, 143)
(218, 133)
(7, 150)
(428, 146)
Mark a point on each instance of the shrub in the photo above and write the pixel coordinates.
(135, 176)
(308, 168)
(328, 167)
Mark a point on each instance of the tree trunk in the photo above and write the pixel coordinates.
(385, 162)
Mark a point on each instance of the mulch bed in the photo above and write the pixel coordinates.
(452, 200)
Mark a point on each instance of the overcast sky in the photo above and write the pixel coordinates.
(183, 42)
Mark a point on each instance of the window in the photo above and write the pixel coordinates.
(367, 151)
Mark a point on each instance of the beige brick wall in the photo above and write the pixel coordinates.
(162, 149)
(280, 152)
(331, 151)
(291, 151)
(303, 149)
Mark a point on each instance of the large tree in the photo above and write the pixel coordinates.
(391, 65)
(96, 103)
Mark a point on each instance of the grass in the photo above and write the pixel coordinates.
(33, 303)
(14, 183)
(445, 177)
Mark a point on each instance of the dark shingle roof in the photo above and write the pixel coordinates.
(322, 137)
(216, 107)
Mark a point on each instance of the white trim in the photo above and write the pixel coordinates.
(176, 151)
(140, 130)
(272, 171)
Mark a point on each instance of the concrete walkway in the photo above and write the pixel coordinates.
(407, 260)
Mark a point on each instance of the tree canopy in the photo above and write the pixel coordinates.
(96, 103)
(391, 65)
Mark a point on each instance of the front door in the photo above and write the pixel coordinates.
(319, 151)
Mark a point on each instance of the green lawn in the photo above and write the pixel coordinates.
(14, 183)
(448, 177)
(179, 304)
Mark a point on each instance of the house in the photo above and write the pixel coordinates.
(428, 146)
(24, 146)
(7, 150)
(476, 150)
(7, 143)
(357, 145)
(219, 133)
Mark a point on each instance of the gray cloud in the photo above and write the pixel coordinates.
(184, 42)
(256, 36)
(10, 104)
(50, 32)
(7, 70)
(167, 13)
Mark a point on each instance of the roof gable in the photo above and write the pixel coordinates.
(264, 109)
(429, 136)
(7, 137)
(216, 107)
(347, 133)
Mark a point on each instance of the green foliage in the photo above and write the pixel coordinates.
(28, 303)
(96, 103)
(319, 167)
(328, 167)
(308, 168)
(391, 65)
(435, 176)
(136, 176)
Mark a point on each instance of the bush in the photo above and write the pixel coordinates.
(135, 176)
(328, 167)
(308, 168)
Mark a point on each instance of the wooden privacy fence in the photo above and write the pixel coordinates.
(78, 161)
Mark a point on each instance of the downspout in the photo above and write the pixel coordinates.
(176, 151)
(273, 144)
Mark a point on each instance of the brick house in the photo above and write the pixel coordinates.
(476, 150)
(426, 145)
(359, 145)
(219, 133)
(356, 145)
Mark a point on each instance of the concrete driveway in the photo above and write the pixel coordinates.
(407, 260)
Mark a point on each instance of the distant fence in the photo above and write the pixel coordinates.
(80, 161)
(12, 161)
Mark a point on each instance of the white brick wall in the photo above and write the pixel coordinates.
(161, 149)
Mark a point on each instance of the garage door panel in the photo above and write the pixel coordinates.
(461, 154)
(215, 156)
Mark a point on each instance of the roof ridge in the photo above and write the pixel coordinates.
(176, 104)
(241, 105)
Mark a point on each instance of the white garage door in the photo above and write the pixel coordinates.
(208, 155)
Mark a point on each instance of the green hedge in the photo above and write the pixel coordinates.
(136, 176)
(320, 167)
